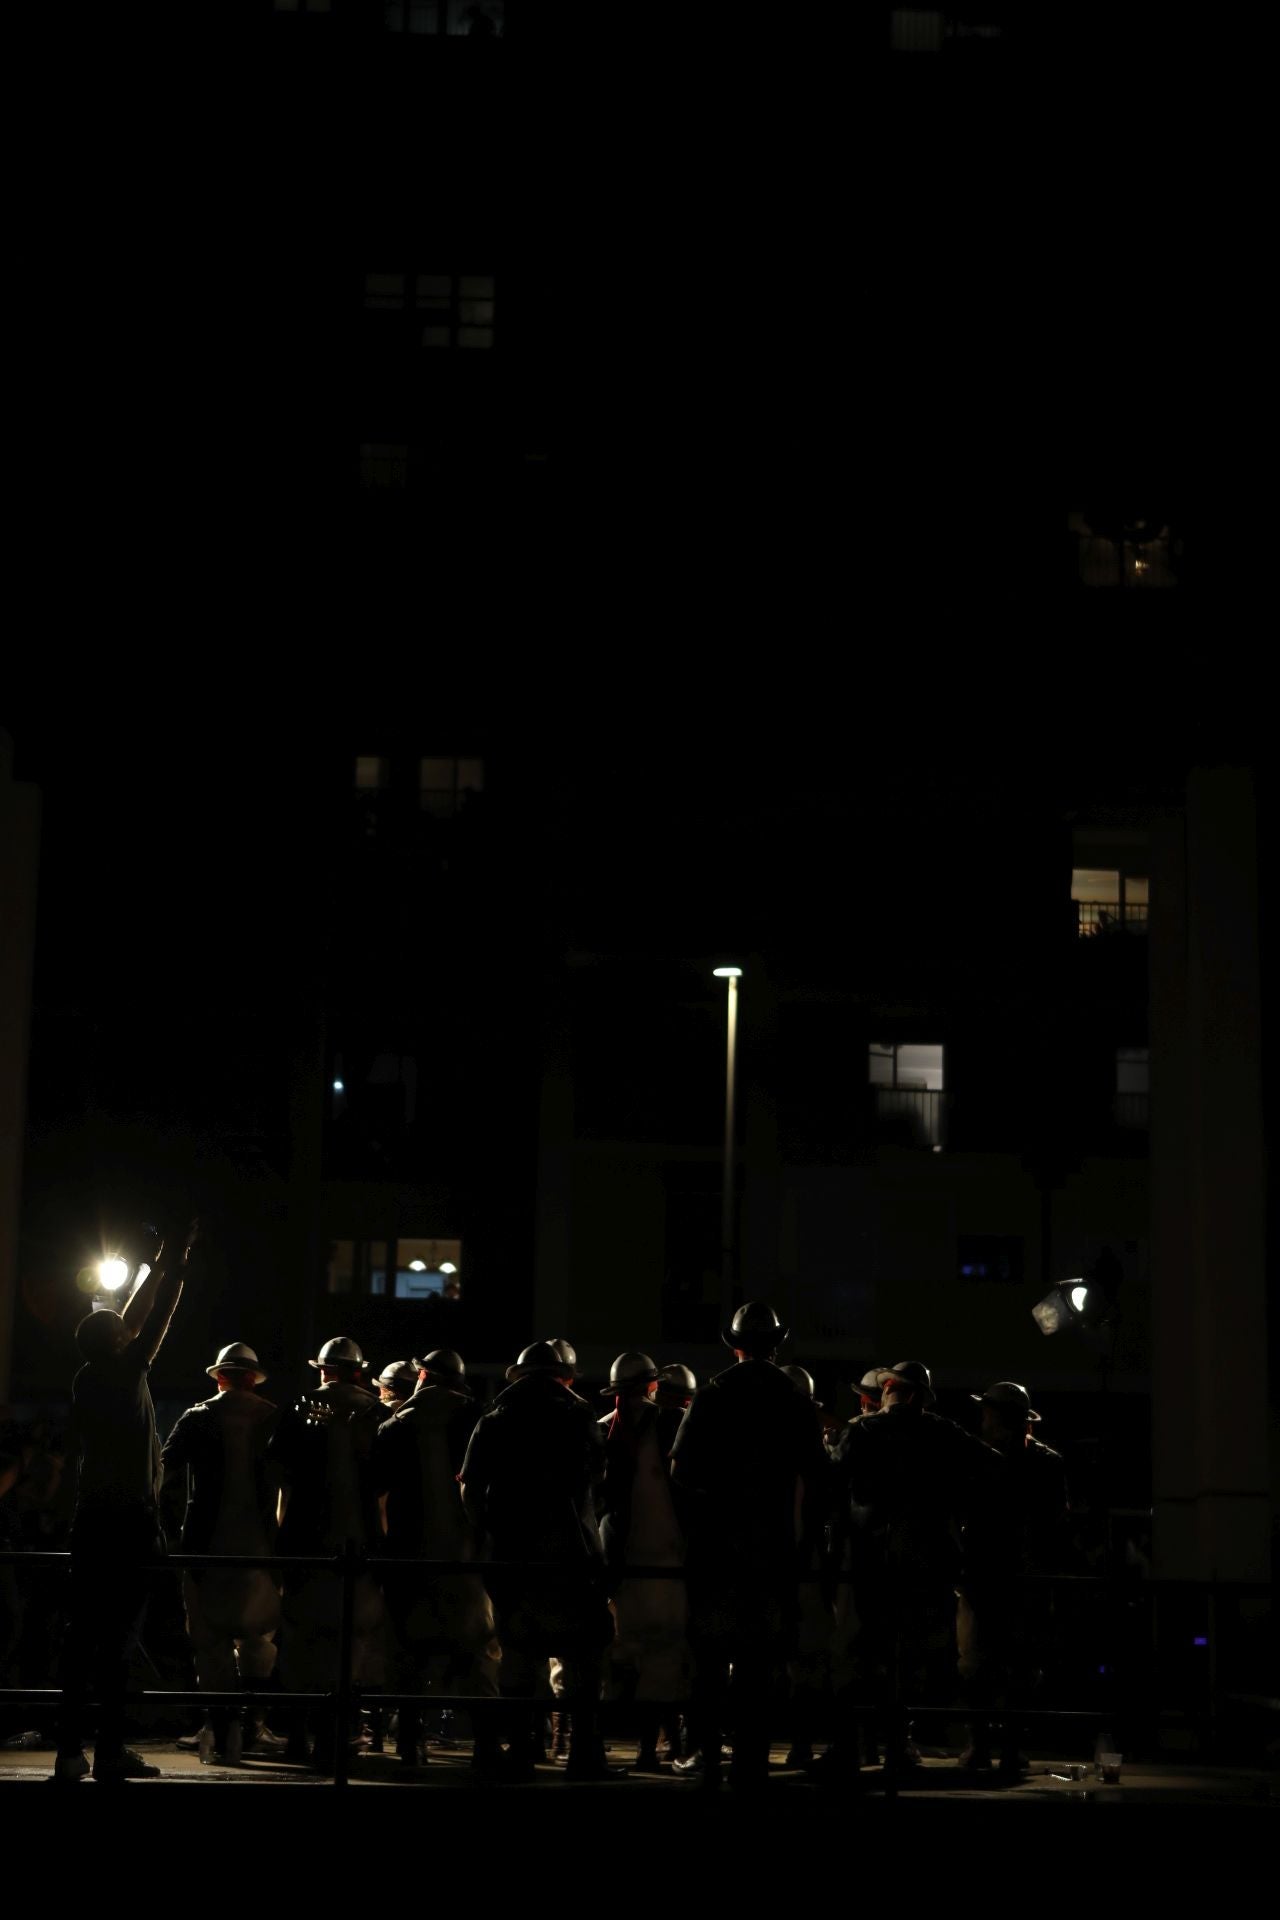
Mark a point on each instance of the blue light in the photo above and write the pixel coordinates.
(1201, 1640)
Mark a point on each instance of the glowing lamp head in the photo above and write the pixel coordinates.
(417, 1266)
(727, 973)
(112, 1275)
(447, 1266)
(1079, 1294)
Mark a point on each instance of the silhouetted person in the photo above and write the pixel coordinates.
(527, 1483)
(997, 1621)
(396, 1384)
(215, 1465)
(747, 1458)
(650, 1660)
(442, 1622)
(321, 1450)
(908, 1481)
(116, 1529)
(809, 1660)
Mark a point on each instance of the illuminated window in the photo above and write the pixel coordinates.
(1109, 901)
(371, 772)
(916, 30)
(908, 1083)
(428, 1269)
(447, 309)
(448, 785)
(1133, 1086)
(384, 465)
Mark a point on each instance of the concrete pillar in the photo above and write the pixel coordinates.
(1213, 1507)
(19, 863)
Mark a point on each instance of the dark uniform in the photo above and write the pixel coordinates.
(747, 1452)
(321, 1450)
(909, 1480)
(1002, 1629)
(215, 1464)
(528, 1481)
(442, 1624)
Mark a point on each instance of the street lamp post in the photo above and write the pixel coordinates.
(731, 975)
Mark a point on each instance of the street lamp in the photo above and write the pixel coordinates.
(731, 975)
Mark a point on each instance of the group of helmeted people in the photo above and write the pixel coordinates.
(711, 1562)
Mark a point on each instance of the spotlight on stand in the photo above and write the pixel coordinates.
(1083, 1304)
(115, 1276)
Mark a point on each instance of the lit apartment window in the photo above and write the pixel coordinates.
(1109, 901)
(426, 1270)
(371, 773)
(917, 30)
(1125, 550)
(908, 1083)
(384, 466)
(1133, 1086)
(469, 19)
(447, 309)
(447, 785)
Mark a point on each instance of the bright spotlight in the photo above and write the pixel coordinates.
(112, 1275)
(339, 1086)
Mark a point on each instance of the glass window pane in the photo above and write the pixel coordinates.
(880, 1066)
(342, 1266)
(1098, 884)
(371, 771)
(428, 1268)
(920, 1066)
(1137, 891)
(471, 776)
(475, 313)
(475, 337)
(435, 289)
(476, 285)
(1133, 1070)
(384, 289)
(435, 336)
(438, 776)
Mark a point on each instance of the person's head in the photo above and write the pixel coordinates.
(339, 1360)
(396, 1382)
(1007, 1413)
(236, 1369)
(101, 1334)
(545, 1359)
(632, 1377)
(677, 1385)
(569, 1357)
(443, 1368)
(908, 1386)
(755, 1332)
(870, 1389)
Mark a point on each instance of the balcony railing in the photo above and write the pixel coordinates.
(1095, 917)
(915, 1116)
(1132, 1111)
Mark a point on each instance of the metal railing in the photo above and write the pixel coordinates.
(916, 1113)
(893, 1712)
(1094, 917)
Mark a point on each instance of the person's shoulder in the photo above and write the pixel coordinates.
(1043, 1455)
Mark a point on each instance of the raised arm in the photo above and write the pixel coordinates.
(151, 1306)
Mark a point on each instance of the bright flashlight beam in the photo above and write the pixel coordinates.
(112, 1275)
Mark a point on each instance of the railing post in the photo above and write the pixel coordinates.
(350, 1559)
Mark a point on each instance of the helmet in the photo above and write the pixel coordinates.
(446, 1366)
(237, 1358)
(755, 1329)
(544, 1356)
(629, 1370)
(400, 1373)
(567, 1355)
(871, 1382)
(913, 1374)
(338, 1353)
(1007, 1393)
(801, 1378)
(677, 1382)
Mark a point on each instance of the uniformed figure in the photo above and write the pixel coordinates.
(870, 1390)
(216, 1475)
(748, 1458)
(528, 1482)
(909, 1480)
(396, 1383)
(999, 1626)
(442, 1623)
(322, 1452)
(809, 1662)
(677, 1385)
(650, 1661)
(116, 1529)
